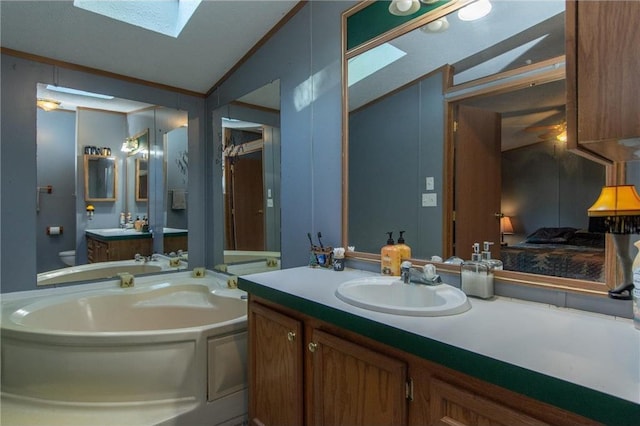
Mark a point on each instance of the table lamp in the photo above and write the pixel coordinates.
(506, 228)
(617, 212)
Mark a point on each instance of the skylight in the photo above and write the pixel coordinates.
(371, 61)
(77, 92)
(167, 17)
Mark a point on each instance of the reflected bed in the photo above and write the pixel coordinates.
(559, 252)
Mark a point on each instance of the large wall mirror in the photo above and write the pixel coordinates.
(129, 130)
(456, 134)
(250, 160)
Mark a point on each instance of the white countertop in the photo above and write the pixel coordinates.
(596, 351)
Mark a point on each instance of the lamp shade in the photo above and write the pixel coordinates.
(616, 211)
(506, 227)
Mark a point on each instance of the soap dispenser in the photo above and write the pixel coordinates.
(494, 264)
(390, 258)
(476, 277)
(404, 249)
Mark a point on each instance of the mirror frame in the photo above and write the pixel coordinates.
(138, 186)
(614, 171)
(87, 158)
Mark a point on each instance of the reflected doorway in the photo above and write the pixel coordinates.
(244, 195)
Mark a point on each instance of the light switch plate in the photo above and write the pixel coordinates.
(430, 183)
(430, 199)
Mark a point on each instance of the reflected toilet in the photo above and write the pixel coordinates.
(68, 257)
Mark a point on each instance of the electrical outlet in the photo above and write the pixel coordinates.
(430, 199)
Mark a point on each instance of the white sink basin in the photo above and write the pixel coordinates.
(391, 295)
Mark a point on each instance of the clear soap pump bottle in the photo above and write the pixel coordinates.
(476, 277)
(494, 264)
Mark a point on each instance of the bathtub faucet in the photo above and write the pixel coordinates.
(140, 258)
(126, 280)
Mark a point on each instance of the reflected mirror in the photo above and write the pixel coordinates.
(406, 167)
(251, 181)
(91, 120)
(100, 178)
(142, 179)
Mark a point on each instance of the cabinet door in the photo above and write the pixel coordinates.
(603, 70)
(452, 406)
(275, 368)
(353, 385)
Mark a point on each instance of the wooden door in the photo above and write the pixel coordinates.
(275, 368)
(247, 202)
(478, 183)
(353, 385)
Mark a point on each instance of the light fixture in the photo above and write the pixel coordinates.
(437, 26)
(506, 228)
(403, 7)
(130, 145)
(48, 104)
(475, 10)
(617, 212)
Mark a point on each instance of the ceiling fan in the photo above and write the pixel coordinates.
(555, 132)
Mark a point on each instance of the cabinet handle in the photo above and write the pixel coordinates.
(313, 347)
(291, 336)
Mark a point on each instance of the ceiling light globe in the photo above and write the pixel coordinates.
(475, 10)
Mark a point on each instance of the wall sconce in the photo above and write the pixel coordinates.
(506, 228)
(48, 104)
(617, 212)
(403, 7)
(130, 145)
(438, 26)
(90, 211)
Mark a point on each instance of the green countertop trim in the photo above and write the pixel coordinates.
(138, 236)
(375, 20)
(569, 396)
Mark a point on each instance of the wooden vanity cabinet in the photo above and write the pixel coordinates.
(603, 74)
(110, 250)
(305, 376)
(303, 371)
(275, 368)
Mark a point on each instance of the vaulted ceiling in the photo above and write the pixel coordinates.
(216, 38)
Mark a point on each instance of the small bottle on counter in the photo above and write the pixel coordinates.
(390, 258)
(403, 249)
(476, 276)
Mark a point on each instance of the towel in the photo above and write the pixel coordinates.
(179, 199)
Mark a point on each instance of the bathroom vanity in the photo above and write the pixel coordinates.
(314, 359)
(111, 244)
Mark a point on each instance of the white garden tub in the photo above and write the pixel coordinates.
(102, 270)
(171, 350)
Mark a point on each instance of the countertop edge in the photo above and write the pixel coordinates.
(569, 396)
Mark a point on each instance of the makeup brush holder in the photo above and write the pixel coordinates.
(322, 257)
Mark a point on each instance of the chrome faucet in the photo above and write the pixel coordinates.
(415, 275)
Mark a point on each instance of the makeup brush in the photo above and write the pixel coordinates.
(319, 239)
